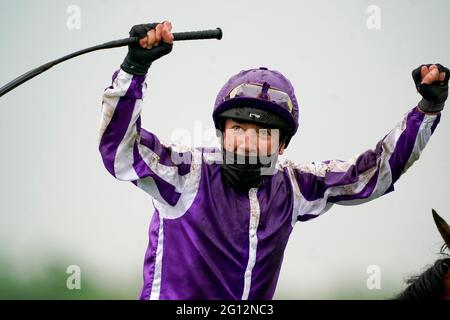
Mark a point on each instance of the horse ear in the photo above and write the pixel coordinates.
(443, 227)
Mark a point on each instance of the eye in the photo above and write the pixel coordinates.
(264, 133)
(237, 128)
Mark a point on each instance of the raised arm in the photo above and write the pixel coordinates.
(367, 176)
(129, 152)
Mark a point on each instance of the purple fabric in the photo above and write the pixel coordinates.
(363, 194)
(274, 229)
(117, 128)
(208, 250)
(183, 159)
(113, 78)
(314, 187)
(405, 143)
(206, 247)
(166, 190)
(397, 160)
(150, 255)
(306, 217)
(212, 236)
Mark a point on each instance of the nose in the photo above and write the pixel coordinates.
(249, 144)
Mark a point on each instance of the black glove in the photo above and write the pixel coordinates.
(434, 94)
(139, 59)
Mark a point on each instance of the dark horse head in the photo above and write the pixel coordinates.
(433, 283)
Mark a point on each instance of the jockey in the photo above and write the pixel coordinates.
(223, 216)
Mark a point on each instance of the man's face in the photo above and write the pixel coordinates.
(246, 138)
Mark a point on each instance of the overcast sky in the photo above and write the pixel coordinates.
(353, 82)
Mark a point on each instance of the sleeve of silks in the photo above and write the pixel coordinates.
(367, 176)
(129, 152)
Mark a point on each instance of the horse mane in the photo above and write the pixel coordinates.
(430, 284)
(433, 283)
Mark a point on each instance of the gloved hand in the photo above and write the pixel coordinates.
(432, 83)
(155, 41)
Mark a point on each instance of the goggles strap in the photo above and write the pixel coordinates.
(265, 88)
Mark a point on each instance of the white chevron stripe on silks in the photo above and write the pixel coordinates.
(384, 180)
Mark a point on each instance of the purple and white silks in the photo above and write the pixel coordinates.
(209, 241)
